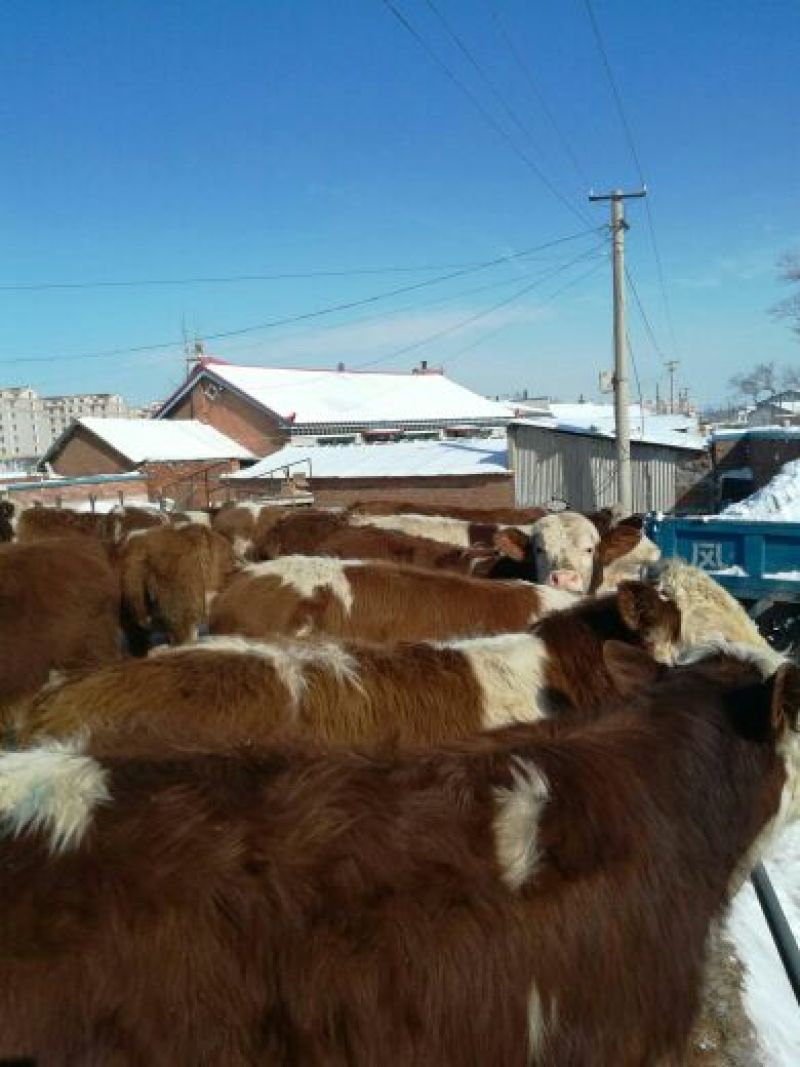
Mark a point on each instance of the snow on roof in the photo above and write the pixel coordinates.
(764, 433)
(405, 459)
(141, 440)
(327, 396)
(675, 431)
(778, 501)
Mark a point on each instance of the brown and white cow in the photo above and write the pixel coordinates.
(492, 516)
(373, 600)
(171, 574)
(242, 524)
(564, 547)
(59, 609)
(231, 690)
(36, 524)
(456, 532)
(539, 895)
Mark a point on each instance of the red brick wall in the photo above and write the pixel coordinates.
(478, 491)
(85, 454)
(49, 493)
(234, 416)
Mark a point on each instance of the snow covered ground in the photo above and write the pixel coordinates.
(769, 1000)
(778, 501)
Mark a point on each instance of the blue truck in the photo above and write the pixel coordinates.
(757, 562)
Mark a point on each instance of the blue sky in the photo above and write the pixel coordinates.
(169, 140)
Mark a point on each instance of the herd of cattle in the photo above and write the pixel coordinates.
(432, 789)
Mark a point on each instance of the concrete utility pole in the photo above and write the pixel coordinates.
(672, 366)
(621, 392)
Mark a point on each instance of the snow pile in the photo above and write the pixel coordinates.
(779, 501)
(768, 997)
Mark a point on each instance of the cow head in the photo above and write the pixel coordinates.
(564, 547)
(653, 617)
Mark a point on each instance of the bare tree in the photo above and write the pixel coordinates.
(789, 307)
(762, 379)
(790, 378)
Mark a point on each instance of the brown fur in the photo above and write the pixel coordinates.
(169, 572)
(36, 524)
(328, 534)
(391, 602)
(209, 697)
(319, 908)
(59, 609)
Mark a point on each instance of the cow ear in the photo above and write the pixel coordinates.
(785, 704)
(632, 668)
(616, 543)
(512, 543)
(640, 606)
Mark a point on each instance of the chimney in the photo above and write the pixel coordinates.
(423, 365)
(340, 367)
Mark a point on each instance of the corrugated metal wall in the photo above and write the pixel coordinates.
(581, 469)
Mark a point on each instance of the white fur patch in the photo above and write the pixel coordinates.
(435, 528)
(289, 659)
(306, 574)
(552, 599)
(516, 823)
(242, 547)
(510, 671)
(540, 1025)
(53, 789)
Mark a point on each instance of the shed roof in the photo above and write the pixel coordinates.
(320, 397)
(405, 459)
(145, 440)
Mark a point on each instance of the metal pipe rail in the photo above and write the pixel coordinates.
(778, 926)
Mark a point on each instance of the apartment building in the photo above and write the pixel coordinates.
(30, 423)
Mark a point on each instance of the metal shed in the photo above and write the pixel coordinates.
(579, 467)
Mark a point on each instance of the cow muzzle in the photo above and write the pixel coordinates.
(568, 580)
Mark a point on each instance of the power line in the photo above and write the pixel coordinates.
(530, 78)
(632, 147)
(304, 316)
(474, 317)
(643, 313)
(486, 115)
(493, 333)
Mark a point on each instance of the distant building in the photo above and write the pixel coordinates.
(782, 409)
(265, 408)
(181, 460)
(30, 423)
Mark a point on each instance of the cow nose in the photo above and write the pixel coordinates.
(566, 579)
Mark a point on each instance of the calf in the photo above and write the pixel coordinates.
(536, 896)
(171, 574)
(230, 690)
(59, 609)
(373, 601)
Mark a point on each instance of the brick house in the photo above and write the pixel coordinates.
(181, 460)
(264, 408)
(464, 473)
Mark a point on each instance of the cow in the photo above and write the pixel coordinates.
(564, 549)
(373, 601)
(706, 608)
(38, 523)
(228, 690)
(242, 524)
(492, 516)
(325, 533)
(59, 609)
(124, 519)
(456, 532)
(539, 895)
(170, 574)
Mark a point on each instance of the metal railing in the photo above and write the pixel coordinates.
(779, 927)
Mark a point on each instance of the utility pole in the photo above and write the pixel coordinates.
(672, 366)
(621, 393)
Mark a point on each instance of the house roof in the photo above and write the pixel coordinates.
(655, 431)
(405, 459)
(330, 397)
(145, 440)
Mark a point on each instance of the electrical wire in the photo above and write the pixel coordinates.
(530, 78)
(474, 317)
(640, 170)
(303, 317)
(485, 114)
(643, 314)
